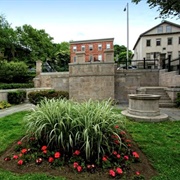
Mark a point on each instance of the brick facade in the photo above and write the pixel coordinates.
(93, 49)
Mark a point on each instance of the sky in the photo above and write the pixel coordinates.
(67, 20)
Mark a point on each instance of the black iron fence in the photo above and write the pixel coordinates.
(139, 64)
(171, 64)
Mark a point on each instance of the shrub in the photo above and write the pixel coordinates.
(16, 97)
(4, 104)
(37, 96)
(13, 72)
(69, 126)
(16, 85)
(178, 100)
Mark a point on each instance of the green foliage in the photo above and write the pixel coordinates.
(166, 8)
(16, 97)
(160, 143)
(178, 100)
(4, 104)
(36, 96)
(13, 72)
(67, 125)
(16, 85)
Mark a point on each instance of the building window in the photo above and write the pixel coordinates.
(100, 57)
(74, 48)
(74, 59)
(148, 55)
(158, 42)
(169, 41)
(160, 29)
(99, 47)
(168, 29)
(82, 48)
(108, 46)
(90, 47)
(148, 42)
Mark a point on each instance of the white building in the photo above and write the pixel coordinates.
(159, 42)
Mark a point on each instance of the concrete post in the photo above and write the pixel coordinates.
(38, 67)
(109, 55)
(80, 55)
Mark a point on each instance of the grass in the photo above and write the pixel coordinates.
(161, 144)
(159, 141)
(11, 130)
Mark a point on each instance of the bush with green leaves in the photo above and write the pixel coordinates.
(4, 104)
(13, 72)
(16, 97)
(36, 96)
(90, 127)
(178, 100)
(16, 85)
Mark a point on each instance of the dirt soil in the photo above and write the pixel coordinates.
(144, 167)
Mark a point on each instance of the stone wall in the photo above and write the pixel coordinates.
(55, 80)
(91, 80)
(127, 82)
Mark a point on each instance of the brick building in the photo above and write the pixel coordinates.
(92, 49)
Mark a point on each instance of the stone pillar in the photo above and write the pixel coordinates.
(109, 55)
(80, 55)
(38, 67)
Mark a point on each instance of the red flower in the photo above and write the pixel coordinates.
(119, 170)
(7, 158)
(20, 162)
(75, 165)
(116, 126)
(20, 154)
(19, 142)
(129, 145)
(114, 152)
(51, 159)
(79, 168)
(57, 155)
(89, 166)
(77, 152)
(24, 151)
(137, 173)
(104, 158)
(112, 173)
(122, 132)
(39, 161)
(126, 157)
(118, 156)
(45, 152)
(117, 142)
(135, 154)
(32, 138)
(44, 148)
(127, 140)
(15, 157)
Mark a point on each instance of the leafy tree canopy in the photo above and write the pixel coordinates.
(166, 8)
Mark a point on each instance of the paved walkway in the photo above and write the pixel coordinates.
(173, 113)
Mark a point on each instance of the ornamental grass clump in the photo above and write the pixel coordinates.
(91, 127)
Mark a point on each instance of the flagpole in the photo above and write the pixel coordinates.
(127, 57)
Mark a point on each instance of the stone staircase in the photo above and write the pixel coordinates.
(164, 101)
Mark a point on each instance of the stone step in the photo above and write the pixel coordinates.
(167, 105)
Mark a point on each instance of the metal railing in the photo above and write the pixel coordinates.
(167, 64)
(140, 64)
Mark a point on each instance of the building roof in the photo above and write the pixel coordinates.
(163, 22)
(91, 41)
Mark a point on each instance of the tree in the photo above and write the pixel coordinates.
(120, 54)
(8, 38)
(166, 8)
(38, 42)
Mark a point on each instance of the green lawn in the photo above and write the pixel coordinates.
(159, 141)
(161, 144)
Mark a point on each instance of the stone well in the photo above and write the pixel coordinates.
(144, 107)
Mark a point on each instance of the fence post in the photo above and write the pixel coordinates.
(144, 63)
(126, 64)
(169, 63)
(163, 63)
